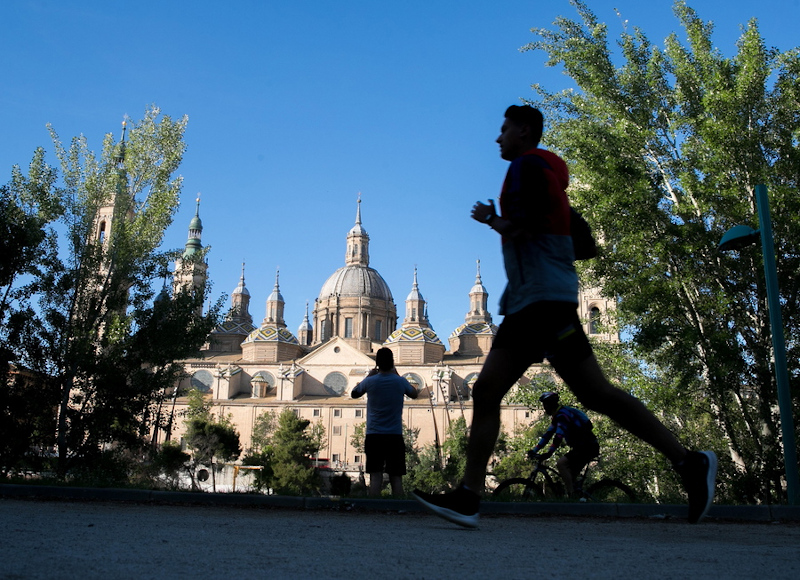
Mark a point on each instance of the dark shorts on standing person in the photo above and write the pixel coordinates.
(550, 330)
(385, 453)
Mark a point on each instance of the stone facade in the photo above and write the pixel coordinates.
(247, 371)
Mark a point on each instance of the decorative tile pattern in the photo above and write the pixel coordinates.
(477, 328)
(271, 334)
(413, 335)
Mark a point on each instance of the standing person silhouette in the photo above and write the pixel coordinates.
(383, 443)
(541, 321)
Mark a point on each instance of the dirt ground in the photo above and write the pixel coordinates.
(87, 540)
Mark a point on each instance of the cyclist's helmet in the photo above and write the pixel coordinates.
(549, 397)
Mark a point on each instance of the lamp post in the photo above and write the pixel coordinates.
(738, 237)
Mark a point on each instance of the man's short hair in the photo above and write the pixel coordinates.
(527, 115)
(384, 359)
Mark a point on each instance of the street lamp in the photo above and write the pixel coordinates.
(738, 237)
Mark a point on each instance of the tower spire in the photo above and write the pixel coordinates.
(478, 301)
(240, 302)
(306, 332)
(275, 304)
(416, 307)
(357, 242)
(193, 244)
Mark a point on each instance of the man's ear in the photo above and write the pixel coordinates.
(525, 133)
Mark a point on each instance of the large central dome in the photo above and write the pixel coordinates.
(356, 281)
(355, 303)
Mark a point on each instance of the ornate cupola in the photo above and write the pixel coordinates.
(305, 332)
(416, 308)
(475, 336)
(116, 203)
(415, 342)
(240, 302)
(272, 342)
(357, 242)
(355, 303)
(191, 269)
(238, 323)
(275, 305)
(193, 244)
(478, 302)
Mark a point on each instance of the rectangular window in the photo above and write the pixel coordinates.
(337, 429)
(359, 413)
(335, 457)
(337, 412)
(348, 328)
(357, 459)
(378, 330)
(315, 413)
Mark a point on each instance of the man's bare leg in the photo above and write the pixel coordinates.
(497, 376)
(396, 481)
(565, 471)
(375, 484)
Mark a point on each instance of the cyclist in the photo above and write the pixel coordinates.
(572, 426)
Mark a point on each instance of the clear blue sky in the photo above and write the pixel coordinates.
(295, 107)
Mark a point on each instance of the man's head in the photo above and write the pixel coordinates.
(550, 402)
(384, 359)
(521, 131)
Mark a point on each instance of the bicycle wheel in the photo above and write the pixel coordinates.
(523, 489)
(515, 489)
(611, 491)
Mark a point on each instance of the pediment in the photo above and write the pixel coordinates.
(336, 352)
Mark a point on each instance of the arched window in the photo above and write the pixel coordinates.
(469, 381)
(335, 383)
(415, 380)
(594, 320)
(202, 381)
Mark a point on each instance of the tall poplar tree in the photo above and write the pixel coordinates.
(665, 146)
(86, 320)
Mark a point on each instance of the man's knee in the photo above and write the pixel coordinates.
(485, 396)
(604, 398)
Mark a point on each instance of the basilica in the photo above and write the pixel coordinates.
(247, 369)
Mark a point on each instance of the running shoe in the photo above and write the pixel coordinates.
(459, 506)
(698, 472)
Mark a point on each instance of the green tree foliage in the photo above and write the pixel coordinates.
(80, 312)
(435, 470)
(261, 452)
(666, 146)
(211, 440)
(622, 456)
(294, 445)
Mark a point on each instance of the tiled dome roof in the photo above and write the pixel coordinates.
(356, 280)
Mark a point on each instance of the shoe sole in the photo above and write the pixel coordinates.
(711, 481)
(467, 521)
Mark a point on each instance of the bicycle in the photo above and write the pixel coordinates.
(544, 484)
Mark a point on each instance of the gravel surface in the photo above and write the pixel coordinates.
(86, 540)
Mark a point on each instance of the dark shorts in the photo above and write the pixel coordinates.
(544, 330)
(580, 455)
(385, 454)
